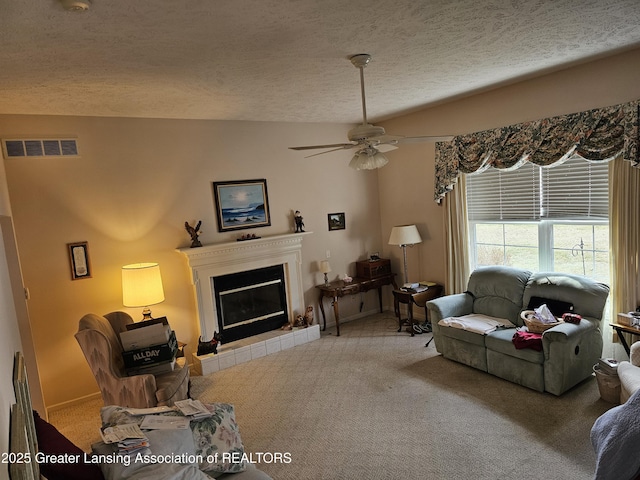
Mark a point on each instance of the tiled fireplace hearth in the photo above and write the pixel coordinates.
(212, 261)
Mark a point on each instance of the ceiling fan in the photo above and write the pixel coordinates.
(370, 140)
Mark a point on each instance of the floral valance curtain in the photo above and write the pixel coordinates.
(599, 134)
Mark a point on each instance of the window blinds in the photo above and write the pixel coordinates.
(574, 190)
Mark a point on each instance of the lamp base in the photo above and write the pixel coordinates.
(146, 314)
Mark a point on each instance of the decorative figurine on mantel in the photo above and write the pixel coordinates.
(299, 223)
(194, 233)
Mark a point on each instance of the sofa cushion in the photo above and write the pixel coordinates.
(587, 296)
(215, 440)
(498, 291)
(502, 341)
(464, 335)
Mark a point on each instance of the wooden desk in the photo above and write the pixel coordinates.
(626, 329)
(420, 299)
(339, 288)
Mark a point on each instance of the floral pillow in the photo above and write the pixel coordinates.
(217, 440)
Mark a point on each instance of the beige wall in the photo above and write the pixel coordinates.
(136, 183)
(407, 183)
(138, 180)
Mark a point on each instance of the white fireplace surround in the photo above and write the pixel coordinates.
(210, 261)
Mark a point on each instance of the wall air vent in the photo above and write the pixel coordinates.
(45, 148)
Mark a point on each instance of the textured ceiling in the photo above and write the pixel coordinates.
(287, 60)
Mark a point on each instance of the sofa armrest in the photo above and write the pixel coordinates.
(450, 306)
(568, 332)
(634, 355)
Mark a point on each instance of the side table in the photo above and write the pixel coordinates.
(414, 298)
(340, 288)
(619, 328)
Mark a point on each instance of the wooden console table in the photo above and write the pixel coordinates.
(418, 298)
(339, 288)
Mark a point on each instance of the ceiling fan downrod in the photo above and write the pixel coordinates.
(360, 61)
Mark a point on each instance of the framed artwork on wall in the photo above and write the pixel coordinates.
(79, 260)
(241, 204)
(336, 221)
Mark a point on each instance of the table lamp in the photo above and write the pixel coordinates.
(142, 287)
(325, 268)
(405, 236)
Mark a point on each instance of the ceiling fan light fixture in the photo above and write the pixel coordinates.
(77, 6)
(368, 158)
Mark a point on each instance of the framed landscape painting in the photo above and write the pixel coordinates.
(336, 221)
(241, 204)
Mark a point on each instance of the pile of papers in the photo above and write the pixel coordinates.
(129, 438)
(164, 422)
(194, 409)
(608, 366)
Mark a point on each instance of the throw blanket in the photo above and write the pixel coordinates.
(476, 323)
(615, 437)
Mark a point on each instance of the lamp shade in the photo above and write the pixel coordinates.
(141, 285)
(405, 235)
(325, 267)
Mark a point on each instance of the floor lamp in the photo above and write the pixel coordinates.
(405, 236)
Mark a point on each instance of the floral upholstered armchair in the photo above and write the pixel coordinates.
(98, 337)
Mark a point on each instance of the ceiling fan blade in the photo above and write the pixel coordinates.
(337, 146)
(386, 147)
(397, 139)
(427, 138)
(332, 150)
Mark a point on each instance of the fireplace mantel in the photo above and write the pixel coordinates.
(210, 261)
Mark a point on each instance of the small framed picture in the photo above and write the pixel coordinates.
(336, 221)
(79, 260)
(241, 204)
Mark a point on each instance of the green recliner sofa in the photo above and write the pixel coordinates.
(569, 350)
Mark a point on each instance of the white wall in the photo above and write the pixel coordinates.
(10, 338)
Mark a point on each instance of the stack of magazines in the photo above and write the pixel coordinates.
(129, 438)
(608, 366)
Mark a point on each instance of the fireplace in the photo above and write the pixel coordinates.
(251, 302)
(212, 262)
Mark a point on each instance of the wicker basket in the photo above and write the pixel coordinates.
(534, 325)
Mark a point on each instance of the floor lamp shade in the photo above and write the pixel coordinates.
(142, 286)
(405, 235)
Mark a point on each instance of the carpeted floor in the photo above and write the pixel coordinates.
(377, 404)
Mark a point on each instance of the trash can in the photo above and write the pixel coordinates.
(609, 385)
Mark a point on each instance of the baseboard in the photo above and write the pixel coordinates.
(71, 403)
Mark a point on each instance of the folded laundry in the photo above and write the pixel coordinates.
(476, 323)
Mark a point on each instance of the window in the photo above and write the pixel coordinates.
(542, 218)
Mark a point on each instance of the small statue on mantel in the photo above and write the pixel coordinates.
(299, 223)
(195, 242)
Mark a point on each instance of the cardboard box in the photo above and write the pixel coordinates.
(155, 369)
(146, 336)
(624, 319)
(151, 355)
